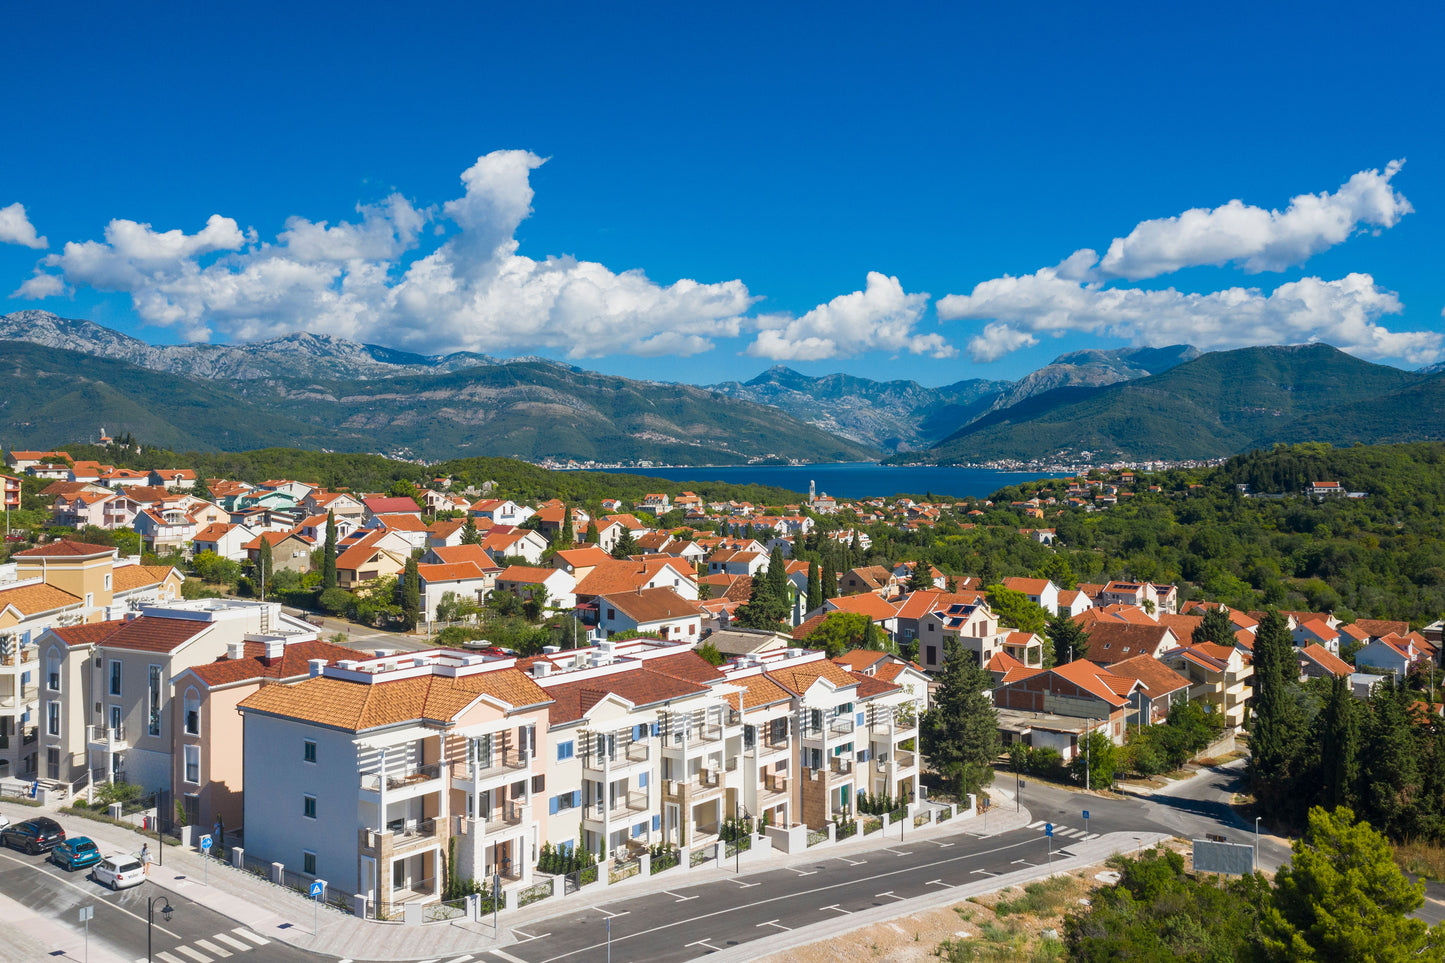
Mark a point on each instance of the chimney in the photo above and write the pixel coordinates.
(316, 666)
(541, 669)
(275, 649)
(236, 650)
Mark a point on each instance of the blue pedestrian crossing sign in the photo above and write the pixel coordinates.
(317, 888)
(1086, 814)
(205, 844)
(1048, 829)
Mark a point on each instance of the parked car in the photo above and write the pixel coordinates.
(4, 821)
(76, 853)
(119, 871)
(35, 836)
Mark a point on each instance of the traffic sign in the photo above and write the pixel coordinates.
(1086, 814)
(1048, 829)
(206, 843)
(317, 888)
(86, 913)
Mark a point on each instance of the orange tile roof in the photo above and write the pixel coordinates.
(357, 707)
(652, 605)
(32, 599)
(127, 577)
(1326, 659)
(153, 633)
(450, 572)
(856, 660)
(1157, 678)
(1378, 628)
(1028, 586)
(294, 663)
(67, 549)
(760, 691)
(452, 554)
(797, 678)
(865, 603)
(1096, 680)
(1003, 662)
(641, 687)
(88, 634)
(807, 628)
(621, 575)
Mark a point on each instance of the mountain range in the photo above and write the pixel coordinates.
(65, 379)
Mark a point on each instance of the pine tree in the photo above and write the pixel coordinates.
(568, 532)
(1215, 627)
(410, 586)
(778, 582)
(470, 535)
(919, 580)
(1069, 639)
(625, 544)
(328, 562)
(1339, 746)
(1276, 734)
(960, 732)
(1391, 777)
(815, 587)
(829, 579)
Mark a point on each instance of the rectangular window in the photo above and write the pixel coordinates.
(193, 716)
(115, 677)
(308, 806)
(52, 718)
(153, 695)
(52, 674)
(308, 751)
(566, 750)
(193, 764)
(308, 863)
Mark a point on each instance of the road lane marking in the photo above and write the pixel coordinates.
(734, 879)
(984, 872)
(702, 943)
(1091, 836)
(802, 872)
(851, 862)
(680, 897)
(87, 893)
(258, 940)
(528, 939)
(835, 906)
(898, 852)
(889, 893)
(775, 923)
(509, 957)
(1036, 824)
(212, 948)
(232, 942)
(939, 882)
(611, 915)
(460, 959)
(196, 955)
(167, 958)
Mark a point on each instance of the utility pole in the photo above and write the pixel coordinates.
(1088, 754)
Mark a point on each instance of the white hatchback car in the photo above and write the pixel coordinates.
(118, 872)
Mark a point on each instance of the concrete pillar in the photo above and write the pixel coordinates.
(358, 906)
(832, 832)
(238, 857)
(684, 858)
(646, 862)
(278, 874)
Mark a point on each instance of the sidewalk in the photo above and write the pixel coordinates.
(280, 914)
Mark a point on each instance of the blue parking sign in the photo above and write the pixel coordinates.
(1086, 814)
(1048, 829)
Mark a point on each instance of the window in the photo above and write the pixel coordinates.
(193, 713)
(656, 823)
(153, 695)
(308, 750)
(115, 677)
(52, 673)
(566, 750)
(193, 765)
(308, 863)
(642, 780)
(107, 582)
(308, 806)
(52, 718)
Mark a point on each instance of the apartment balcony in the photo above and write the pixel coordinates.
(840, 766)
(106, 738)
(401, 836)
(500, 769)
(402, 783)
(509, 816)
(623, 808)
(841, 726)
(772, 788)
(619, 762)
(704, 784)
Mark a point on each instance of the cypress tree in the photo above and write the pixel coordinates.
(815, 587)
(470, 535)
(328, 563)
(1275, 729)
(1215, 627)
(1339, 746)
(960, 732)
(778, 575)
(568, 532)
(411, 593)
(264, 564)
(829, 579)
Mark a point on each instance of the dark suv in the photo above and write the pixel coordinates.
(35, 836)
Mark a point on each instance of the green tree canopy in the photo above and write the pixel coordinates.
(1014, 609)
(960, 730)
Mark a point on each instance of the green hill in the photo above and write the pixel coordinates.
(1216, 405)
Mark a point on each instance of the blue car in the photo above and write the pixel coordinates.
(75, 853)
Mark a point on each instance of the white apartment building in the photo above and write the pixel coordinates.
(977, 629)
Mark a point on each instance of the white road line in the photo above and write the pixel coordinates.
(680, 898)
(938, 882)
(212, 948)
(851, 862)
(889, 893)
(702, 943)
(167, 958)
(611, 915)
(1036, 824)
(802, 872)
(734, 879)
(461, 959)
(1092, 836)
(88, 894)
(836, 908)
(984, 872)
(940, 845)
(775, 923)
(1017, 861)
(528, 939)
(196, 955)
(236, 944)
(509, 957)
(898, 852)
(258, 940)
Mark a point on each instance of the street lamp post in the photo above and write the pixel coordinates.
(1256, 843)
(166, 911)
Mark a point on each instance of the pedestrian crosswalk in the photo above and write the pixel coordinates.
(1064, 832)
(217, 947)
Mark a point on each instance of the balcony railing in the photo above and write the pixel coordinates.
(841, 726)
(108, 738)
(840, 765)
(631, 802)
(400, 779)
(510, 813)
(774, 742)
(497, 764)
(775, 783)
(633, 753)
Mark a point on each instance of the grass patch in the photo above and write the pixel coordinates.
(1044, 898)
(1421, 858)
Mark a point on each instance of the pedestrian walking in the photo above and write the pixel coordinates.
(145, 857)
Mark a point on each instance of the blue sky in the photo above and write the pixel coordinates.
(692, 194)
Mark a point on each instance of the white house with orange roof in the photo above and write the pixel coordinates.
(1039, 591)
(463, 580)
(223, 539)
(1218, 675)
(501, 511)
(524, 581)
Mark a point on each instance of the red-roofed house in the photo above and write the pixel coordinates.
(1218, 675)
(1078, 690)
(225, 540)
(524, 580)
(1040, 591)
(391, 505)
(1318, 662)
(464, 580)
(290, 551)
(659, 610)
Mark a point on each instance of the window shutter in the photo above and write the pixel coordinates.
(552, 805)
(641, 780)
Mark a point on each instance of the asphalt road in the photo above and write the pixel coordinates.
(193, 934)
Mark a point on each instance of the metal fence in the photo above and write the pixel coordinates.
(699, 856)
(453, 909)
(815, 837)
(535, 893)
(626, 869)
(665, 860)
(922, 819)
(944, 815)
(384, 912)
(847, 828)
(744, 843)
(872, 826)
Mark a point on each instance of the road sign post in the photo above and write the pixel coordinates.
(318, 893)
(1086, 822)
(1049, 835)
(205, 863)
(497, 894)
(86, 913)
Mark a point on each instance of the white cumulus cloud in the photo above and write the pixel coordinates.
(1255, 238)
(1344, 313)
(881, 317)
(40, 286)
(15, 228)
(368, 281)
